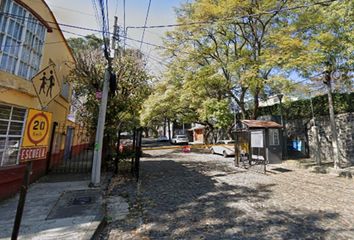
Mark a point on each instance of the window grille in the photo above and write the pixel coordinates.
(21, 41)
(11, 130)
(274, 137)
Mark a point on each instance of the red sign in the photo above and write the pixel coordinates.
(98, 95)
(28, 154)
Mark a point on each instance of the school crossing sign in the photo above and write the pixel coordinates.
(36, 135)
(46, 85)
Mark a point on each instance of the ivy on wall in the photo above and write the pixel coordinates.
(301, 109)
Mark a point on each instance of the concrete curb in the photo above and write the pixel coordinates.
(103, 223)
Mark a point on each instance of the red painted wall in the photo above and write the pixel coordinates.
(11, 177)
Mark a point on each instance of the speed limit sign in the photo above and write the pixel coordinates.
(36, 135)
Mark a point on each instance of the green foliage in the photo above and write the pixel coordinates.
(133, 88)
(301, 109)
(237, 59)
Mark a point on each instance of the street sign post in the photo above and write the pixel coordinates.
(34, 147)
(46, 85)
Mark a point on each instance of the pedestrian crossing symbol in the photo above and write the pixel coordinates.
(46, 85)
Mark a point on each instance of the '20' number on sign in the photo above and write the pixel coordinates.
(38, 125)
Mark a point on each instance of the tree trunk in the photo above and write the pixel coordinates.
(169, 129)
(164, 127)
(335, 145)
(256, 104)
(146, 131)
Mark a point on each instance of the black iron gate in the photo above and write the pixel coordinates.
(71, 149)
(129, 152)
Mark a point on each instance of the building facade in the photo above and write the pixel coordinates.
(30, 40)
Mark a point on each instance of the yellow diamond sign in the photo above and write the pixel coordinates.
(46, 85)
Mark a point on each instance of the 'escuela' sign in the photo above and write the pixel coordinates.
(36, 135)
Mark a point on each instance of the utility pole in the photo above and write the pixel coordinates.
(97, 155)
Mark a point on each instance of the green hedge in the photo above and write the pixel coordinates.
(343, 103)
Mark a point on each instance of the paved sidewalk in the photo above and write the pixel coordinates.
(55, 210)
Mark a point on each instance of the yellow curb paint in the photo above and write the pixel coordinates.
(174, 147)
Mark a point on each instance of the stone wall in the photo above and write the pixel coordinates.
(345, 130)
(304, 130)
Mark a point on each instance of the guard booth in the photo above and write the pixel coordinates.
(257, 143)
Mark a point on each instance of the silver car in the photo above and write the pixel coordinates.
(180, 139)
(224, 147)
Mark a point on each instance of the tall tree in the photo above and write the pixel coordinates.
(231, 41)
(325, 36)
(133, 84)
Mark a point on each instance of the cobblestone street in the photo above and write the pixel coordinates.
(203, 196)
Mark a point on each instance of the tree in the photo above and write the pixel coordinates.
(133, 85)
(325, 34)
(232, 41)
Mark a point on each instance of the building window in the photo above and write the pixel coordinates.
(274, 137)
(11, 129)
(65, 90)
(21, 40)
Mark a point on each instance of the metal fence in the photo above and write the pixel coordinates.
(71, 149)
(128, 153)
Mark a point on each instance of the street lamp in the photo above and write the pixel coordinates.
(285, 142)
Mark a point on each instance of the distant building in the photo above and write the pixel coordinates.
(196, 132)
(274, 99)
(30, 40)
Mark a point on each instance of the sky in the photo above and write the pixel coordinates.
(81, 13)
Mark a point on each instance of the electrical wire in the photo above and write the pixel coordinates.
(233, 18)
(162, 26)
(146, 19)
(183, 24)
(25, 44)
(116, 8)
(95, 9)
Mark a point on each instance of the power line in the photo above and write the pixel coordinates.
(25, 44)
(146, 19)
(107, 15)
(183, 24)
(95, 9)
(124, 29)
(233, 18)
(117, 5)
(159, 26)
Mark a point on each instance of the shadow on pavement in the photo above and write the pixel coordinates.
(178, 201)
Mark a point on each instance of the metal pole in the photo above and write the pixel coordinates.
(21, 201)
(97, 154)
(49, 154)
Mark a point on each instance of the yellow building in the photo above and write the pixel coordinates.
(30, 40)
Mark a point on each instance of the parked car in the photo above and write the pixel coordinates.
(162, 139)
(224, 147)
(180, 139)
